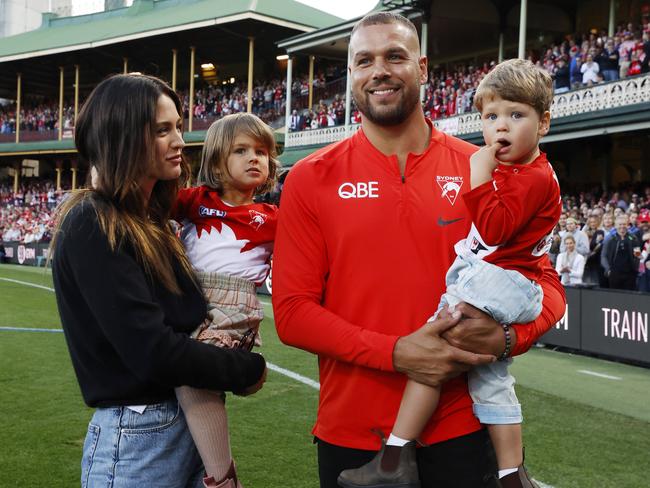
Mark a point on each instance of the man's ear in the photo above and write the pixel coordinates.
(424, 72)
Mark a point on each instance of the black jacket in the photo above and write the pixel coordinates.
(611, 248)
(127, 335)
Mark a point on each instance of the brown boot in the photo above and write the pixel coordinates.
(519, 479)
(392, 467)
(228, 481)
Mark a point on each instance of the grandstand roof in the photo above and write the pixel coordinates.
(146, 18)
(145, 34)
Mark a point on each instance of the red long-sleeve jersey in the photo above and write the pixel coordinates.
(514, 215)
(360, 260)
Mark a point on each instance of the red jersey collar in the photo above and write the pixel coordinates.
(361, 139)
(516, 168)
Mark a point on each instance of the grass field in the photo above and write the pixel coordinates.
(587, 420)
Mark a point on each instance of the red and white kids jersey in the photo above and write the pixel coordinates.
(220, 238)
(513, 216)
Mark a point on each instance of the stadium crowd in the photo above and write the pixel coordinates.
(212, 102)
(27, 215)
(34, 117)
(578, 60)
(590, 219)
(603, 239)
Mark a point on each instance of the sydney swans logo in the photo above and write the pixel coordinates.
(450, 187)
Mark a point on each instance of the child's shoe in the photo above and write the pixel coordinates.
(518, 479)
(392, 467)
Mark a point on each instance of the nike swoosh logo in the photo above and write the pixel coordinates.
(442, 222)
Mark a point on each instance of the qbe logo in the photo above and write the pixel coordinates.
(361, 189)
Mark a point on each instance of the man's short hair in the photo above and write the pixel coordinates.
(378, 18)
(517, 80)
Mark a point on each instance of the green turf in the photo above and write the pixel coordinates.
(563, 375)
(580, 430)
(43, 418)
(24, 306)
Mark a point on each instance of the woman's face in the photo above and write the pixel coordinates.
(168, 144)
(607, 220)
(570, 245)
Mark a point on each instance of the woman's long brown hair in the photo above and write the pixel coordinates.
(115, 133)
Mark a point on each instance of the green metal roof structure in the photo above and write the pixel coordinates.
(147, 18)
(146, 33)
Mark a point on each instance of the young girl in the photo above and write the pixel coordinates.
(229, 241)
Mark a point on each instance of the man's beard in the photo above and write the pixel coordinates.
(385, 116)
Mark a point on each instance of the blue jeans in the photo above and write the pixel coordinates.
(509, 297)
(125, 449)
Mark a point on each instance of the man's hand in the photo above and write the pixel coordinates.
(477, 332)
(253, 388)
(424, 356)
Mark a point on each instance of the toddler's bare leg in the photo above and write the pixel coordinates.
(508, 444)
(206, 417)
(418, 404)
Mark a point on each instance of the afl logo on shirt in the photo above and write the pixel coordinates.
(450, 187)
(211, 212)
(359, 190)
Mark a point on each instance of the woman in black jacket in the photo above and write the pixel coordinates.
(127, 295)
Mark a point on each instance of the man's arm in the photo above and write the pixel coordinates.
(300, 269)
(478, 332)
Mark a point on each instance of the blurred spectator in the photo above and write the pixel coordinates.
(575, 72)
(643, 283)
(556, 240)
(562, 76)
(570, 264)
(620, 257)
(579, 237)
(608, 61)
(593, 272)
(296, 122)
(589, 70)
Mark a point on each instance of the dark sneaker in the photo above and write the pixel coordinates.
(398, 470)
(520, 479)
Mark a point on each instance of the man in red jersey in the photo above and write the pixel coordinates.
(364, 240)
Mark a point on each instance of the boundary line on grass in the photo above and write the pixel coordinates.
(599, 375)
(27, 283)
(29, 329)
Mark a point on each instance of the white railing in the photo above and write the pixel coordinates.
(318, 136)
(603, 96)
